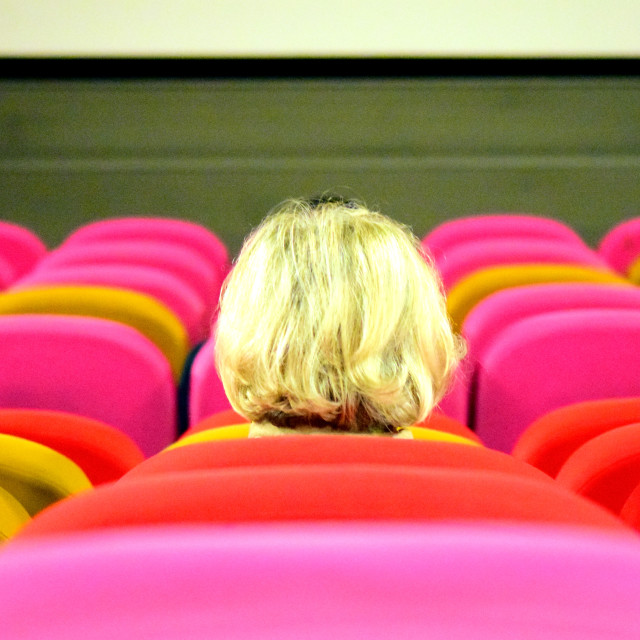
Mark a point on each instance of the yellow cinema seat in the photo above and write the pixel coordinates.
(466, 293)
(37, 476)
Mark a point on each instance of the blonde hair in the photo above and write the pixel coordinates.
(332, 317)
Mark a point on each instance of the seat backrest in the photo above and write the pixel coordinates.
(168, 289)
(505, 225)
(464, 258)
(103, 452)
(373, 581)
(469, 291)
(552, 438)
(620, 245)
(206, 394)
(20, 247)
(142, 312)
(304, 493)
(36, 475)
(606, 468)
(329, 449)
(182, 262)
(183, 232)
(483, 324)
(92, 367)
(551, 360)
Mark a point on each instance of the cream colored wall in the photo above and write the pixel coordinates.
(330, 27)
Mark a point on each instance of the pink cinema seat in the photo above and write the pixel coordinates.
(378, 581)
(606, 468)
(206, 394)
(187, 234)
(168, 289)
(330, 449)
(490, 316)
(321, 492)
(620, 245)
(92, 367)
(462, 259)
(172, 258)
(20, 247)
(498, 225)
(551, 360)
(552, 438)
(7, 273)
(103, 452)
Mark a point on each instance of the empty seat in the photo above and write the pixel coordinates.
(374, 581)
(306, 493)
(170, 257)
(463, 259)
(606, 468)
(20, 247)
(183, 232)
(137, 310)
(37, 476)
(620, 245)
(483, 324)
(499, 225)
(92, 367)
(103, 452)
(469, 291)
(551, 360)
(552, 438)
(164, 287)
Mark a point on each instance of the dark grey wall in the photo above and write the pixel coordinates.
(223, 152)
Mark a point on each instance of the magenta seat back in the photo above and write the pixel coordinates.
(92, 367)
(206, 393)
(183, 232)
(551, 360)
(620, 246)
(410, 581)
(172, 258)
(464, 258)
(320, 492)
(485, 322)
(485, 226)
(172, 291)
(20, 247)
(7, 273)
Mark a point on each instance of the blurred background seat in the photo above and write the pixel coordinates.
(103, 452)
(91, 367)
(551, 360)
(552, 438)
(143, 313)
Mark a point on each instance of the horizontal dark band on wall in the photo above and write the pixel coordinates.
(379, 67)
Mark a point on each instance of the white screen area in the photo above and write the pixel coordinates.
(335, 28)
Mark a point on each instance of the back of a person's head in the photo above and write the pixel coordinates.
(332, 316)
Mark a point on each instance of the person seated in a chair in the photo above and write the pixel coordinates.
(333, 321)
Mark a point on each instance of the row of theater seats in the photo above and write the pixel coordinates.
(513, 513)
